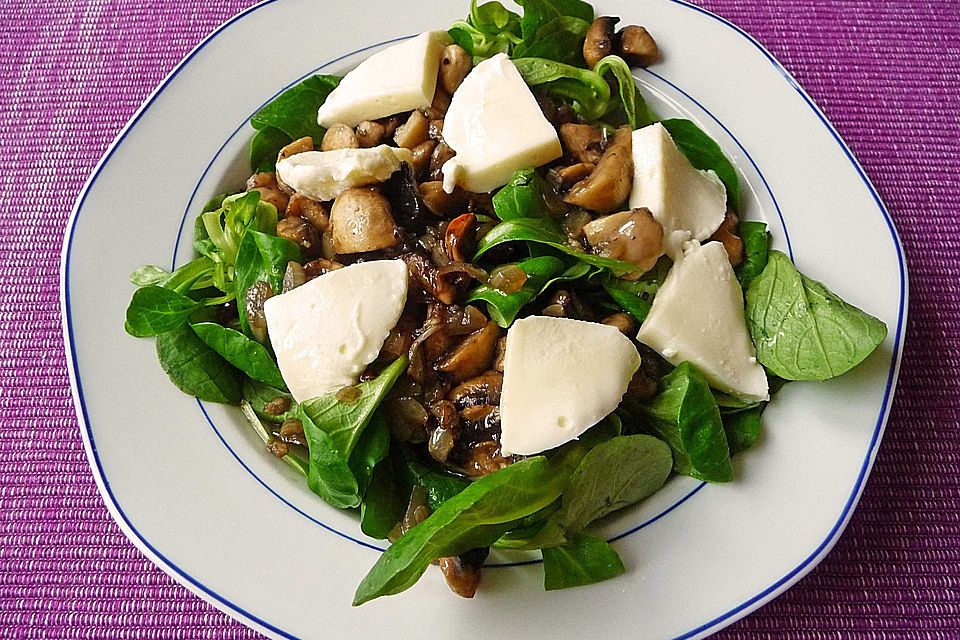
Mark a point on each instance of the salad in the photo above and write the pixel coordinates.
(479, 293)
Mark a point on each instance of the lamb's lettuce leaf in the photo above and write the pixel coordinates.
(686, 416)
(802, 330)
(705, 154)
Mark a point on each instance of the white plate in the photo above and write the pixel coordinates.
(193, 488)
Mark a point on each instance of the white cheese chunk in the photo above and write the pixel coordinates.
(327, 331)
(496, 127)
(560, 377)
(697, 316)
(688, 203)
(400, 78)
(323, 175)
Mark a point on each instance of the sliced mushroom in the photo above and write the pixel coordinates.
(297, 146)
(301, 233)
(440, 202)
(339, 136)
(426, 276)
(253, 301)
(582, 142)
(436, 130)
(501, 355)
(624, 322)
(462, 577)
(567, 304)
(444, 435)
(632, 236)
(269, 189)
(314, 212)
(441, 103)
(404, 195)
(480, 390)
(454, 67)
(727, 234)
(565, 177)
(361, 221)
(609, 185)
(484, 458)
(320, 266)
(370, 134)
(416, 130)
(422, 154)
(441, 154)
(635, 45)
(600, 39)
(473, 355)
(294, 276)
(460, 237)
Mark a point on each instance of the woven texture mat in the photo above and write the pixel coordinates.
(887, 73)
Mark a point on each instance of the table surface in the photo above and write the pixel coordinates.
(886, 72)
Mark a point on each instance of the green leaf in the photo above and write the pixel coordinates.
(584, 90)
(261, 257)
(265, 147)
(291, 459)
(756, 250)
(636, 109)
(615, 474)
(705, 154)
(803, 331)
(384, 502)
(537, 13)
(259, 394)
(492, 18)
(294, 112)
(522, 197)
(224, 230)
(636, 297)
(546, 232)
(333, 427)
(560, 39)
(195, 368)
(504, 307)
(147, 275)
(195, 274)
(371, 448)
(742, 428)
(155, 310)
(329, 474)
(585, 560)
(473, 518)
(245, 354)
(440, 486)
(686, 416)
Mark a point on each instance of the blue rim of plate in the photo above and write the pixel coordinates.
(330, 528)
(721, 620)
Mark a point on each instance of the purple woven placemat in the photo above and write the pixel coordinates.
(887, 73)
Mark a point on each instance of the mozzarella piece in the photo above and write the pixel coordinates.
(688, 203)
(399, 78)
(560, 377)
(697, 316)
(326, 331)
(496, 127)
(323, 175)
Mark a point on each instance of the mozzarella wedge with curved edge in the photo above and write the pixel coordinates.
(496, 127)
(400, 78)
(697, 317)
(689, 203)
(323, 175)
(560, 377)
(326, 331)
